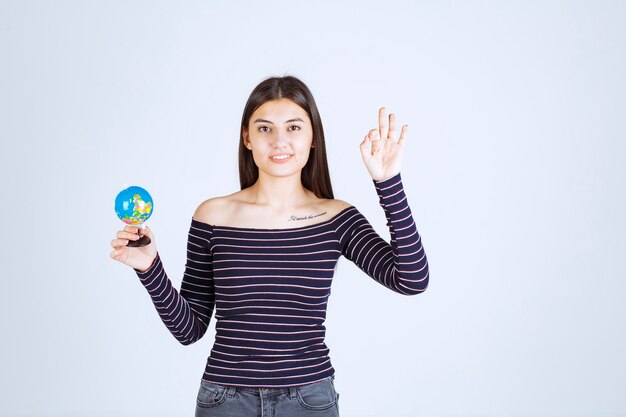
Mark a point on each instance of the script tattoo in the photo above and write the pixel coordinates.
(310, 216)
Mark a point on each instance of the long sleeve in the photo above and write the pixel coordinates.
(400, 265)
(185, 314)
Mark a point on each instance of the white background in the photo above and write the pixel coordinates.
(514, 170)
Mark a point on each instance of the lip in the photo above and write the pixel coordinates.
(280, 161)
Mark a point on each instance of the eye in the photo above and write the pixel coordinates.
(294, 127)
(264, 129)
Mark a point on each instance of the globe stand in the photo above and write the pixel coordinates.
(139, 243)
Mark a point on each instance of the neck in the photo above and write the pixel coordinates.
(279, 193)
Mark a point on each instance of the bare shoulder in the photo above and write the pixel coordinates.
(211, 211)
(336, 206)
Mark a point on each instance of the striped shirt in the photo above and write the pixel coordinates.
(269, 289)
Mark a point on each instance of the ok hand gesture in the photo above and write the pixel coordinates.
(381, 153)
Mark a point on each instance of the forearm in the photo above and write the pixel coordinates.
(174, 309)
(407, 272)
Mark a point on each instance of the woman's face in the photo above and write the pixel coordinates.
(280, 136)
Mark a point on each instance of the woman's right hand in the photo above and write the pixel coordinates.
(138, 258)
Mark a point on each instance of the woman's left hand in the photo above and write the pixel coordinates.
(381, 153)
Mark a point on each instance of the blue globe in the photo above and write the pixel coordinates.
(133, 205)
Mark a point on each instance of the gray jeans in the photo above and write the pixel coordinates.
(319, 399)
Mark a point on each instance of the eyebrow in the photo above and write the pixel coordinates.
(297, 119)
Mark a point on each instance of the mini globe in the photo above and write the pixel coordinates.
(133, 205)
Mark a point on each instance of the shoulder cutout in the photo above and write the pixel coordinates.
(229, 212)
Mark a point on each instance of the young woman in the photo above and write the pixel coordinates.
(263, 259)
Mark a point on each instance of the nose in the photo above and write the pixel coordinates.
(279, 140)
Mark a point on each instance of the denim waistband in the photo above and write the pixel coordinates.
(269, 390)
(265, 391)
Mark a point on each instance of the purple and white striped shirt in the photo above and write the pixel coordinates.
(269, 289)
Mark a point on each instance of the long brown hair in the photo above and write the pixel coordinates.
(315, 175)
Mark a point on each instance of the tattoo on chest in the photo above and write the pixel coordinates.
(310, 216)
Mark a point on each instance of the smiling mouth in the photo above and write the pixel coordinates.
(283, 157)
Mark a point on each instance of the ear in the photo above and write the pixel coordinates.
(246, 141)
